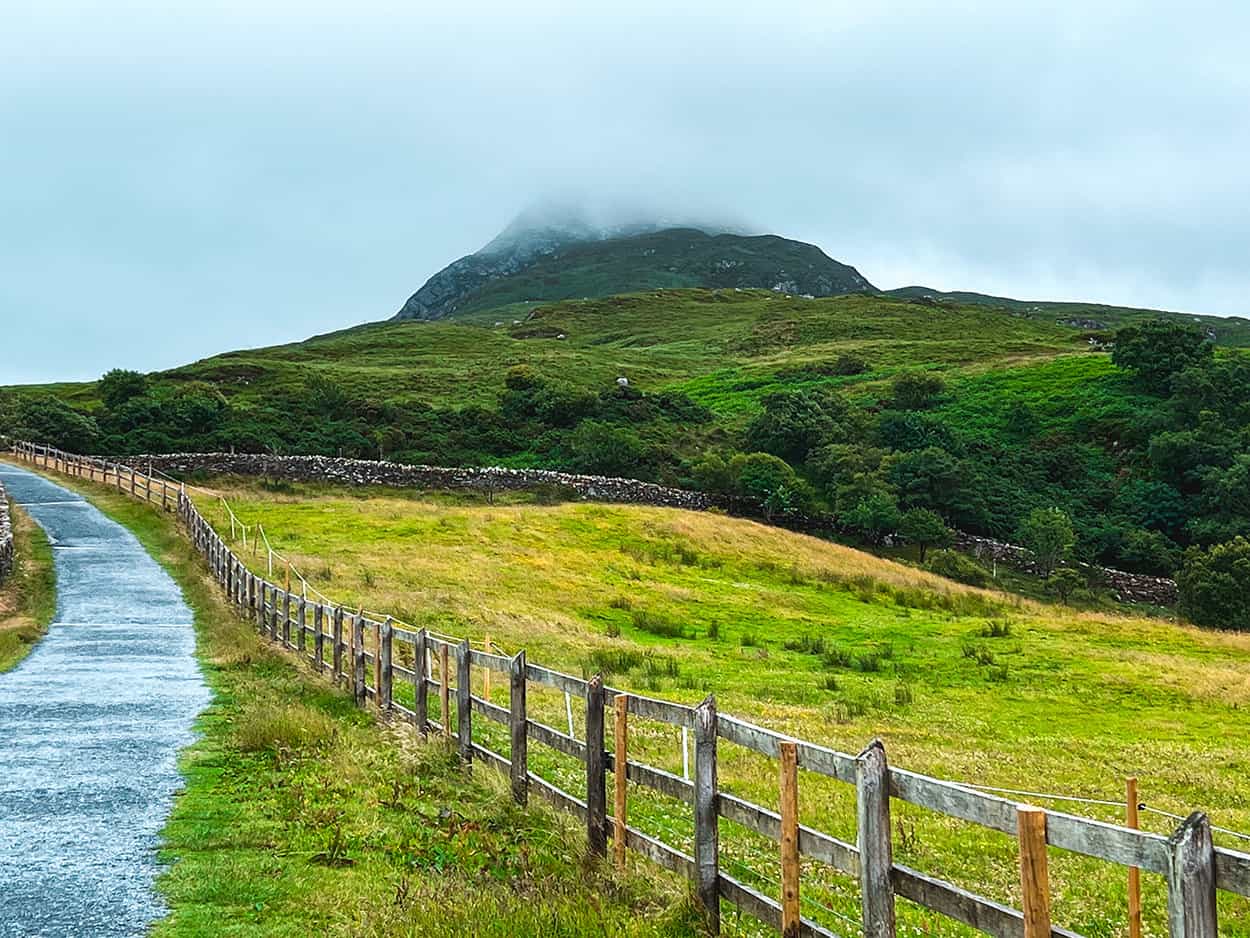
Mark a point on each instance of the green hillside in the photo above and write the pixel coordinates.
(899, 417)
(1225, 330)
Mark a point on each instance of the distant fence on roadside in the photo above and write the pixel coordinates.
(366, 655)
(7, 550)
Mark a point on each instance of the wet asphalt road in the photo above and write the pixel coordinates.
(90, 726)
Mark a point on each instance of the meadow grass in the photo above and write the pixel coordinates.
(817, 640)
(303, 816)
(28, 595)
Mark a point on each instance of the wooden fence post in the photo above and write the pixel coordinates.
(486, 671)
(286, 618)
(1134, 874)
(876, 852)
(1034, 873)
(358, 658)
(420, 685)
(319, 637)
(336, 651)
(301, 618)
(620, 780)
(260, 607)
(377, 665)
(444, 688)
(518, 729)
(386, 675)
(789, 786)
(1191, 880)
(596, 777)
(706, 822)
(464, 699)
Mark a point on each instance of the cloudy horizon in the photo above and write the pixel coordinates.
(178, 183)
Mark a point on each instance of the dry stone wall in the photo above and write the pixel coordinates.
(6, 536)
(1128, 587)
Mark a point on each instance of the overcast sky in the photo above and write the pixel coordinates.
(178, 182)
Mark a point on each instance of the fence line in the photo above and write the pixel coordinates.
(1193, 867)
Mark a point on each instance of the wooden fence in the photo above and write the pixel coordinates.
(364, 655)
(7, 556)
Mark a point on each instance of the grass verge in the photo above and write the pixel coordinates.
(28, 595)
(302, 816)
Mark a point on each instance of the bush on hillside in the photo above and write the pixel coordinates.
(1214, 585)
(956, 566)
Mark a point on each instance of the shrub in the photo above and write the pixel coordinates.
(1214, 585)
(956, 566)
(1047, 534)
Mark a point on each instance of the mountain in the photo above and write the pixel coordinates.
(544, 258)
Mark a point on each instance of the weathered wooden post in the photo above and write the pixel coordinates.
(706, 823)
(377, 665)
(444, 687)
(336, 652)
(620, 780)
(1134, 873)
(286, 618)
(486, 670)
(596, 771)
(876, 852)
(260, 607)
(1034, 871)
(1191, 880)
(319, 637)
(789, 785)
(385, 672)
(518, 729)
(301, 618)
(420, 682)
(358, 657)
(464, 699)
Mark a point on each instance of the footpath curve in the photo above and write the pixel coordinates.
(91, 723)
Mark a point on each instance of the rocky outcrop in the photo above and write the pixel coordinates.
(6, 536)
(1127, 587)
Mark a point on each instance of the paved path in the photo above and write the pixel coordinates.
(90, 727)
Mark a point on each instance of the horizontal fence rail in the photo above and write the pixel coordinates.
(367, 655)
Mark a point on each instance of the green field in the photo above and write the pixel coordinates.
(816, 640)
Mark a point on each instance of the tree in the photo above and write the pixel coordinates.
(1158, 349)
(1214, 585)
(792, 423)
(925, 478)
(1064, 582)
(925, 529)
(1047, 534)
(771, 482)
(915, 390)
(607, 450)
(874, 517)
(50, 420)
(118, 386)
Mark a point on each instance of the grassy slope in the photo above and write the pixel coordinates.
(1068, 703)
(28, 596)
(1230, 330)
(730, 348)
(301, 816)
